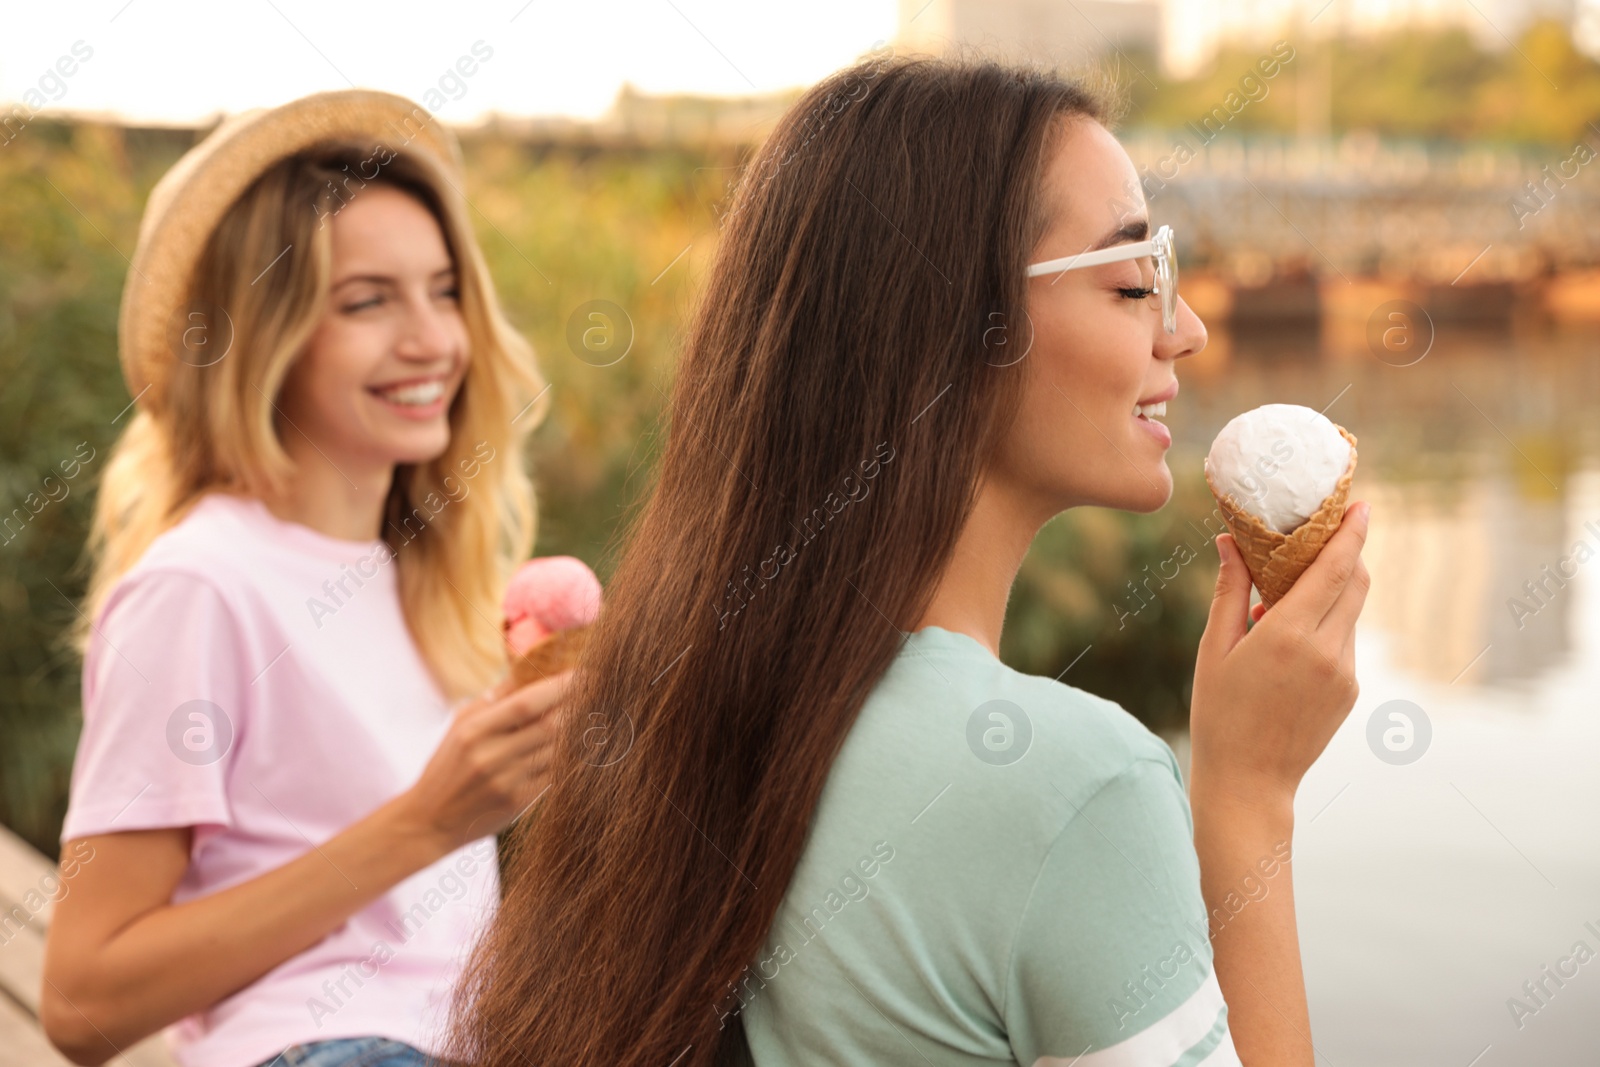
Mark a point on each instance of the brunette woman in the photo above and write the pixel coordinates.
(845, 832)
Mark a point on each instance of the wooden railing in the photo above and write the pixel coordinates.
(29, 888)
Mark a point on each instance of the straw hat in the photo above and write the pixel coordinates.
(190, 200)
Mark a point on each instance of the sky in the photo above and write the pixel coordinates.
(179, 61)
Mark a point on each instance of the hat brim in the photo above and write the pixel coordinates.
(191, 199)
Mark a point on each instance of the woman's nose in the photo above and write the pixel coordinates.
(430, 333)
(1189, 338)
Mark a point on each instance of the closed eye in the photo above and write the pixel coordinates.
(1135, 294)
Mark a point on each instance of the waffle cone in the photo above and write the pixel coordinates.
(554, 654)
(1276, 560)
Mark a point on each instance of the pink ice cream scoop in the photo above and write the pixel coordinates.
(548, 595)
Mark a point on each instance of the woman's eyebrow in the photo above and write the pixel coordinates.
(376, 279)
(1137, 230)
(387, 279)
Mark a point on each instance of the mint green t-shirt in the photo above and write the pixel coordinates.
(1001, 869)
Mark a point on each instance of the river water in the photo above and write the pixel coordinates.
(1435, 876)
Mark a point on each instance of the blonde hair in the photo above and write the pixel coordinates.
(210, 426)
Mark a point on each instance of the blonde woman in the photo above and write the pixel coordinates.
(295, 751)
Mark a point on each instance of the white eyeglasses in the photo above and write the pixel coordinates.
(1158, 269)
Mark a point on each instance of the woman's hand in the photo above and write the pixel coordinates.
(492, 764)
(1267, 701)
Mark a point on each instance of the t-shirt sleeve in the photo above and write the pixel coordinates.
(164, 691)
(1111, 962)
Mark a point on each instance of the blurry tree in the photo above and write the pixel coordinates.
(1421, 83)
(66, 206)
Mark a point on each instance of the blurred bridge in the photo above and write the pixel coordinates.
(1286, 228)
(1282, 228)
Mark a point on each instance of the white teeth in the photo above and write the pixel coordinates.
(1150, 410)
(419, 394)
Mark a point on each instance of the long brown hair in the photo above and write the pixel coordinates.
(832, 415)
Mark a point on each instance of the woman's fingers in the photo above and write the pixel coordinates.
(538, 735)
(1316, 591)
(1347, 665)
(1346, 606)
(526, 704)
(1340, 622)
(519, 753)
(1226, 623)
(500, 690)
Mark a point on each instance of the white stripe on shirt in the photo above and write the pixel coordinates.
(1162, 1044)
(1224, 1055)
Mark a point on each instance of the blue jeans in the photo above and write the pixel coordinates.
(352, 1052)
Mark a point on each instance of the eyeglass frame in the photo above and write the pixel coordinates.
(1163, 253)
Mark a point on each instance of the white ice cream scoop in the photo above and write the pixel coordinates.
(1279, 462)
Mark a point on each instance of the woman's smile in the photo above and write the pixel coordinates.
(1147, 411)
(419, 399)
(1155, 429)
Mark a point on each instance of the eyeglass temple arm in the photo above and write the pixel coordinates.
(1092, 259)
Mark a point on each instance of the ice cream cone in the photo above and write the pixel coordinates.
(553, 655)
(549, 605)
(1276, 560)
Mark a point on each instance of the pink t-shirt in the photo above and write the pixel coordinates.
(255, 679)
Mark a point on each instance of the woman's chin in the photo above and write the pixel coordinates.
(1151, 494)
(423, 445)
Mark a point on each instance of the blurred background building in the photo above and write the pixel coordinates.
(1052, 31)
(1187, 34)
